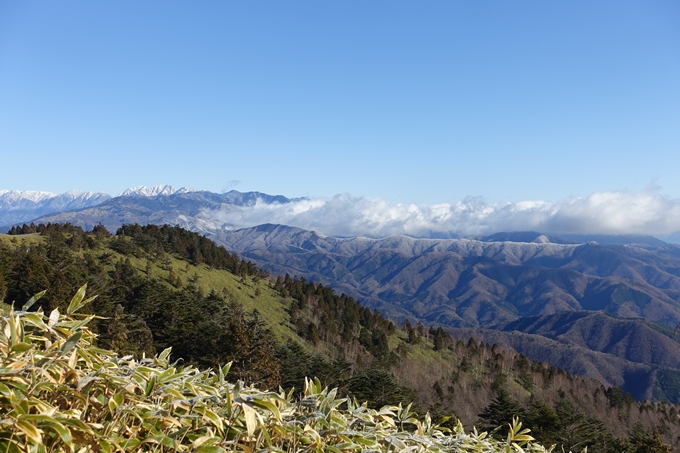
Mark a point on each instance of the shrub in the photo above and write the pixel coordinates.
(60, 393)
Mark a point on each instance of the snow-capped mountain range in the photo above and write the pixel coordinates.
(159, 204)
(18, 206)
(577, 220)
(15, 199)
(21, 206)
(153, 191)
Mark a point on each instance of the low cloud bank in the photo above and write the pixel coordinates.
(620, 212)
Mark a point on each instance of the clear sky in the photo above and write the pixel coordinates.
(415, 102)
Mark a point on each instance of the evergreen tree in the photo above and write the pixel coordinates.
(117, 334)
(313, 334)
(500, 412)
(439, 339)
(100, 230)
(642, 441)
(578, 431)
(378, 388)
(543, 421)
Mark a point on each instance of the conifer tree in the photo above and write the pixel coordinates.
(501, 412)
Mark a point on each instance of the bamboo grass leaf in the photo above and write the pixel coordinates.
(78, 301)
(163, 356)
(210, 449)
(21, 347)
(61, 430)
(33, 300)
(35, 319)
(251, 419)
(105, 445)
(29, 430)
(54, 318)
(151, 383)
(71, 342)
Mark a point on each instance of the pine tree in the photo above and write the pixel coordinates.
(313, 334)
(439, 339)
(501, 412)
(100, 230)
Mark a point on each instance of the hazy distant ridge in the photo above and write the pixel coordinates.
(157, 204)
(22, 206)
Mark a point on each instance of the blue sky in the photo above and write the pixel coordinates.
(414, 102)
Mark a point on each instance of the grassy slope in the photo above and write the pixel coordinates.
(24, 238)
(270, 305)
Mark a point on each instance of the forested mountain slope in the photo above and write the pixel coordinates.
(631, 339)
(63, 393)
(643, 381)
(464, 282)
(166, 286)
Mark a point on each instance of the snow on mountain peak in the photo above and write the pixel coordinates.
(153, 191)
(17, 198)
(24, 196)
(21, 206)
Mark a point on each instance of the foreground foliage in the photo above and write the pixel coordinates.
(58, 392)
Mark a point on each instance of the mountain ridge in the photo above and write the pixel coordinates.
(159, 204)
(153, 191)
(212, 217)
(517, 277)
(20, 206)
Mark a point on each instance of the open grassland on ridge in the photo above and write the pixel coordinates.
(240, 289)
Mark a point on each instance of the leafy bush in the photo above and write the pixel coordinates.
(59, 392)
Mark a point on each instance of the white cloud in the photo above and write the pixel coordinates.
(619, 212)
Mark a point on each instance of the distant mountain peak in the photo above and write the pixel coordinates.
(18, 196)
(154, 191)
(17, 199)
(18, 206)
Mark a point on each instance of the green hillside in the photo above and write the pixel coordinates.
(162, 287)
(60, 393)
